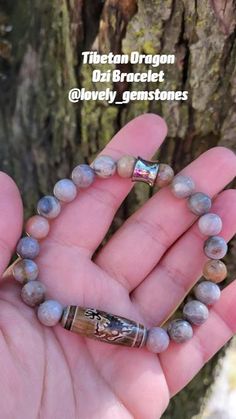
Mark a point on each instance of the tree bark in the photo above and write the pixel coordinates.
(42, 135)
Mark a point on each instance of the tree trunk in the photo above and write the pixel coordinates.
(42, 135)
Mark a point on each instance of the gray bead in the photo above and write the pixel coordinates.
(182, 186)
(104, 166)
(215, 247)
(25, 270)
(210, 224)
(49, 206)
(33, 293)
(180, 330)
(65, 190)
(50, 312)
(157, 340)
(27, 248)
(199, 203)
(195, 312)
(207, 292)
(83, 175)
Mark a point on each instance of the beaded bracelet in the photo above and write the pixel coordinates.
(104, 326)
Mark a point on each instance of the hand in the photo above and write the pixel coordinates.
(143, 272)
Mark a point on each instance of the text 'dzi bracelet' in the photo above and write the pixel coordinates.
(100, 325)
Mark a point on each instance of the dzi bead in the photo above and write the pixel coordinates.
(145, 171)
(103, 326)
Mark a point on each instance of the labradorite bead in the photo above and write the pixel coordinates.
(33, 293)
(195, 312)
(180, 330)
(199, 203)
(104, 166)
(182, 186)
(210, 224)
(65, 190)
(25, 270)
(207, 292)
(49, 206)
(164, 176)
(215, 270)
(50, 312)
(83, 175)
(37, 227)
(157, 340)
(125, 166)
(27, 248)
(215, 247)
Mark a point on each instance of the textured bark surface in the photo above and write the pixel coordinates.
(42, 134)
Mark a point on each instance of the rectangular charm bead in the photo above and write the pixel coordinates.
(145, 171)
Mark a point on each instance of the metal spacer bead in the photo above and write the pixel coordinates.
(145, 171)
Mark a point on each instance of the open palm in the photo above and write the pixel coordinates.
(143, 272)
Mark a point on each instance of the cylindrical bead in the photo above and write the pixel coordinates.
(215, 270)
(27, 248)
(49, 207)
(104, 326)
(199, 203)
(164, 176)
(65, 190)
(207, 292)
(83, 175)
(37, 227)
(215, 247)
(145, 171)
(25, 270)
(195, 312)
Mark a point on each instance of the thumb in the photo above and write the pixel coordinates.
(11, 219)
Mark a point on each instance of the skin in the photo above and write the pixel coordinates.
(143, 272)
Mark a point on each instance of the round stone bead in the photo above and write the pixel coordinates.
(104, 166)
(125, 166)
(164, 176)
(83, 175)
(210, 224)
(215, 270)
(37, 227)
(65, 190)
(33, 293)
(27, 248)
(49, 206)
(207, 292)
(215, 247)
(50, 312)
(180, 330)
(182, 186)
(195, 312)
(157, 340)
(25, 270)
(199, 203)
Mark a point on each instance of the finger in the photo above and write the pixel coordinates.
(187, 359)
(143, 239)
(163, 290)
(85, 221)
(11, 214)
